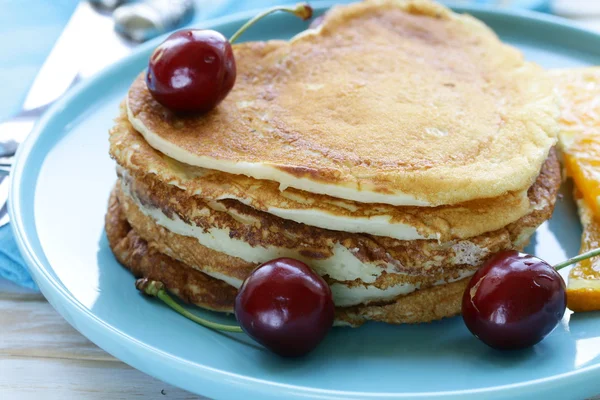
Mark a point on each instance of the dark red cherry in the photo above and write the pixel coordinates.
(514, 301)
(285, 306)
(194, 69)
(191, 71)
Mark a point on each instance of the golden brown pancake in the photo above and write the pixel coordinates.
(445, 223)
(145, 260)
(385, 286)
(194, 287)
(388, 101)
(227, 240)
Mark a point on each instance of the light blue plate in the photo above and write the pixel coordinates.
(60, 188)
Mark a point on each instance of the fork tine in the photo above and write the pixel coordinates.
(4, 189)
(4, 218)
(7, 160)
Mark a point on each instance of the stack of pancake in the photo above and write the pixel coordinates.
(393, 149)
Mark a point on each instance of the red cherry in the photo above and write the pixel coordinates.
(285, 306)
(194, 69)
(514, 301)
(191, 71)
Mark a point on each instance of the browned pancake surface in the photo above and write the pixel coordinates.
(145, 261)
(459, 221)
(419, 258)
(203, 291)
(398, 102)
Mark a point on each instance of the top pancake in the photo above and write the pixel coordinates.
(396, 102)
(445, 223)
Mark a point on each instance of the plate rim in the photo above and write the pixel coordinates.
(68, 305)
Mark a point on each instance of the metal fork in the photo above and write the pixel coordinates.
(4, 188)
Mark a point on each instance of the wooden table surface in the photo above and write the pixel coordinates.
(42, 356)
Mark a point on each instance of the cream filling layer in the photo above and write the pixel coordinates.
(346, 296)
(342, 266)
(377, 225)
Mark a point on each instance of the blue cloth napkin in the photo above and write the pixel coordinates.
(20, 22)
(12, 266)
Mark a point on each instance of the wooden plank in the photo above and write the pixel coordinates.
(7, 286)
(31, 378)
(41, 353)
(32, 328)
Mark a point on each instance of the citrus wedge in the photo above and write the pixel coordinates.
(579, 137)
(583, 287)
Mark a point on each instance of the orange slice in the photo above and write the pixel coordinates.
(583, 288)
(579, 137)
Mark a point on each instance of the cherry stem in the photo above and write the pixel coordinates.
(581, 257)
(157, 289)
(301, 10)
